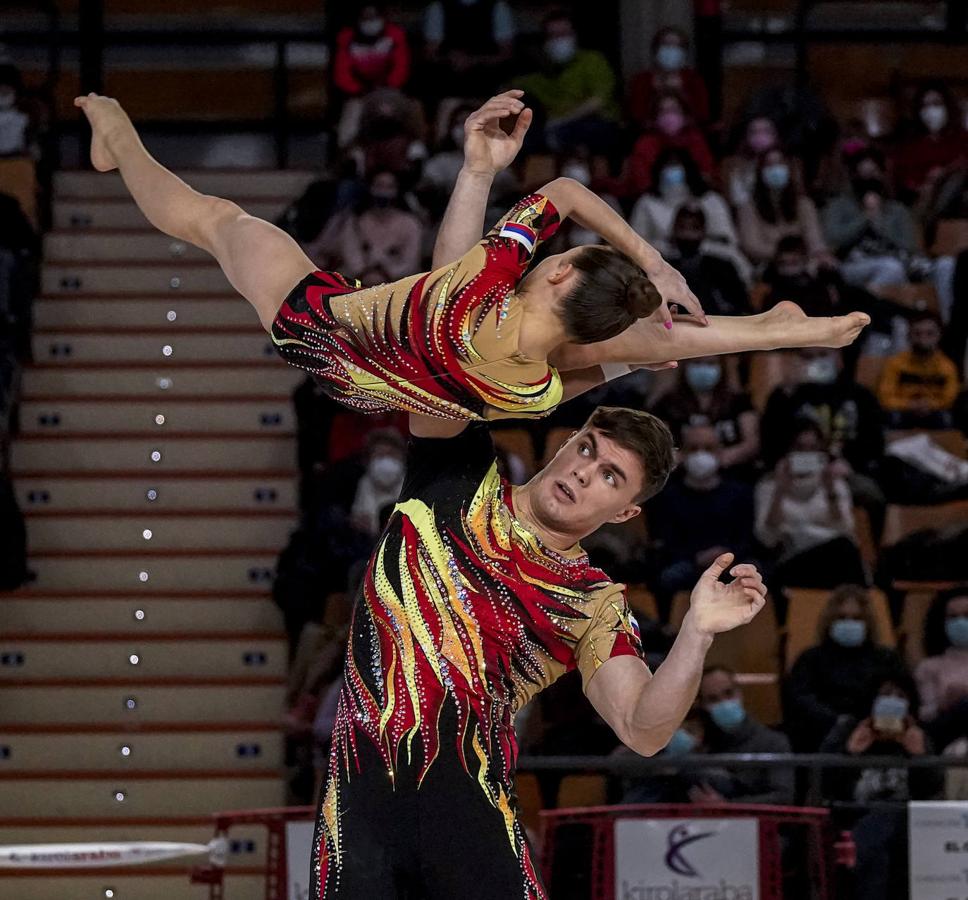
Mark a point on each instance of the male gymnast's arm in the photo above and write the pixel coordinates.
(645, 709)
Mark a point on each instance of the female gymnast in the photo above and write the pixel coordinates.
(486, 336)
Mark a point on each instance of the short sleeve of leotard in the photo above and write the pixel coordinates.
(611, 632)
(444, 468)
(514, 240)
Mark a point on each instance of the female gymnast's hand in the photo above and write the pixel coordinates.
(488, 148)
(673, 288)
(715, 607)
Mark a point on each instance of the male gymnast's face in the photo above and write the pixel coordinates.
(590, 481)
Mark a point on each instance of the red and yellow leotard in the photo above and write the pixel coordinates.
(441, 343)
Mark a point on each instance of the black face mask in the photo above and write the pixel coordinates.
(688, 246)
(864, 186)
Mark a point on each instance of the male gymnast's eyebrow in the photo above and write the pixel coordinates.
(616, 469)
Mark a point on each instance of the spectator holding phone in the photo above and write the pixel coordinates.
(804, 513)
(891, 729)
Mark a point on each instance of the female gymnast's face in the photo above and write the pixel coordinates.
(590, 481)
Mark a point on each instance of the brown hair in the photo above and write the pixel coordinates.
(837, 596)
(612, 293)
(646, 436)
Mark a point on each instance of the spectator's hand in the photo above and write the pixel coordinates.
(715, 607)
(861, 738)
(674, 290)
(912, 739)
(487, 147)
(703, 793)
(828, 478)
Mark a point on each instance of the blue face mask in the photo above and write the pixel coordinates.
(956, 628)
(848, 632)
(776, 176)
(702, 377)
(727, 714)
(681, 743)
(670, 57)
(887, 706)
(673, 177)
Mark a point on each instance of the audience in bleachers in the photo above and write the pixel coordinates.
(733, 729)
(701, 513)
(745, 231)
(14, 122)
(918, 387)
(804, 516)
(942, 676)
(574, 92)
(838, 675)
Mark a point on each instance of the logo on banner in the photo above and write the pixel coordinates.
(680, 837)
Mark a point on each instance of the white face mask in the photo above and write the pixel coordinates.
(579, 171)
(701, 465)
(580, 237)
(935, 117)
(371, 27)
(822, 370)
(561, 49)
(385, 471)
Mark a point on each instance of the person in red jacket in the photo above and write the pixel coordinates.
(672, 126)
(671, 72)
(371, 53)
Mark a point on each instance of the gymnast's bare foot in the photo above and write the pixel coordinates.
(794, 328)
(108, 121)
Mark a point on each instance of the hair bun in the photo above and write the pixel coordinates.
(642, 298)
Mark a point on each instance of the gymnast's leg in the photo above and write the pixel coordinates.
(647, 342)
(262, 262)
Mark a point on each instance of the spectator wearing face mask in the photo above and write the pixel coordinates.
(918, 387)
(377, 242)
(371, 53)
(670, 127)
(676, 183)
(14, 122)
(673, 785)
(889, 728)
(840, 673)
(942, 676)
(574, 92)
(670, 71)
(739, 169)
(708, 269)
(939, 142)
(702, 396)
(380, 484)
(805, 516)
(733, 729)
(779, 207)
(701, 514)
(873, 235)
(467, 46)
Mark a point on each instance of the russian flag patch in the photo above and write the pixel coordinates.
(525, 236)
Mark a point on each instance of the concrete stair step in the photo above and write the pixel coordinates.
(28, 657)
(175, 277)
(240, 572)
(66, 313)
(232, 185)
(137, 617)
(82, 704)
(129, 883)
(121, 796)
(63, 381)
(160, 455)
(122, 214)
(160, 416)
(176, 347)
(51, 495)
(241, 749)
(118, 246)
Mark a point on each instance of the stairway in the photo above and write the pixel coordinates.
(142, 674)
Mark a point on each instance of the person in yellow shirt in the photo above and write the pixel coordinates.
(918, 386)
